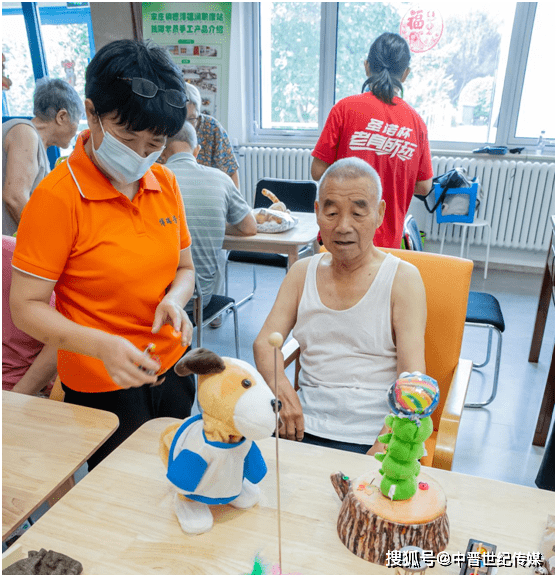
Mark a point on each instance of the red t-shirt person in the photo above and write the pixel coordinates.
(392, 138)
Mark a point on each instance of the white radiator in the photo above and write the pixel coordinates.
(518, 197)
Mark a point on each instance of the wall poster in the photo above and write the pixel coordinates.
(197, 36)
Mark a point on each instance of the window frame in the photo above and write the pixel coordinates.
(35, 15)
(514, 76)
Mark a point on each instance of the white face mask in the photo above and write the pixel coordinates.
(121, 163)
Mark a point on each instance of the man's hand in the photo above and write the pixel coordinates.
(122, 361)
(170, 312)
(377, 447)
(291, 415)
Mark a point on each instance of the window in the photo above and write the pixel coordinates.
(18, 100)
(533, 116)
(289, 65)
(463, 85)
(68, 48)
(452, 85)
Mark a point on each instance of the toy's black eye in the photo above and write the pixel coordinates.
(246, 383)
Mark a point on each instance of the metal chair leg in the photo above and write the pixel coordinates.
(249, 296)
(226, 276)
(464, 231)
(488, 355)
(443, 239)
(236, 331)
(487, 249)
(495, 375)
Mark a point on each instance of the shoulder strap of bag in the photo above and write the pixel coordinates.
(439, 200)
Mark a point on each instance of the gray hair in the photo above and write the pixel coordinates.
(53, 95)
(193, 96)
(350, 169)
(185, 134)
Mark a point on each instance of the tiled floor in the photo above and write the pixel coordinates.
(493, 442)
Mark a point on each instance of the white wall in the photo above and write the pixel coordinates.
(111, 21)
(237, 91)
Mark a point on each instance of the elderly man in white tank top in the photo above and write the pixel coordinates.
(359, 315)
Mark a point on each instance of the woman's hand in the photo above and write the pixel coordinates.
(170, 312)
(122, 360)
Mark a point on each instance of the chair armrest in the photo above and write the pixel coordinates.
(290, 352)
(57, 392)
(450, 418)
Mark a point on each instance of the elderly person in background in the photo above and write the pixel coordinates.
(358, 314)
(214, 207)
(57, 109)
(215, 151)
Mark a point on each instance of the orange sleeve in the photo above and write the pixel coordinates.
(46, 231)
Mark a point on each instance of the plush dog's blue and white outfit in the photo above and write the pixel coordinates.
(211, 472)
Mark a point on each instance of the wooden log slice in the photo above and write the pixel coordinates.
(370, 524)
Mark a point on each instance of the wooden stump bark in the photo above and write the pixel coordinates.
(370, 527)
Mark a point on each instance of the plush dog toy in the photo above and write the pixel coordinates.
(211, 458)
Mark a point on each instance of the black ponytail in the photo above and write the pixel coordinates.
(388, 58)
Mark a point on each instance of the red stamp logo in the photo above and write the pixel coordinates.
(421, 28)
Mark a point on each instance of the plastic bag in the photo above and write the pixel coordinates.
(269, 220)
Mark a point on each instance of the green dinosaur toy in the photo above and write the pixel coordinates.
(413, 397)
(399, 464)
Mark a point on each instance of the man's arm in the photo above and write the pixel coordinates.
(409, 315)
(282, 319)
(246, 227)
(423, 187)
(318, 167)
(21, 145)
(41, 372)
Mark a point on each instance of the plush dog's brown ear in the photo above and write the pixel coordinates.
(200, 362)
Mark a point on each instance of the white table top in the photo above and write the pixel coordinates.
(305, 232)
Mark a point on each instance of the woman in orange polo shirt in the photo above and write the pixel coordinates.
(107, 230)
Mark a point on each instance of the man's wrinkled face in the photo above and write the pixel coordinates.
(348, 214)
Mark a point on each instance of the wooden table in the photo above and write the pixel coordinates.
(43, 443)
(547, 292)
(289, 242)
(119, 519)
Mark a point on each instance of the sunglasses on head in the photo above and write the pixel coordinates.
(147, 89)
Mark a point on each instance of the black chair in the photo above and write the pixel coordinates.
(298, 196)
(484, 311)
(202, 316)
